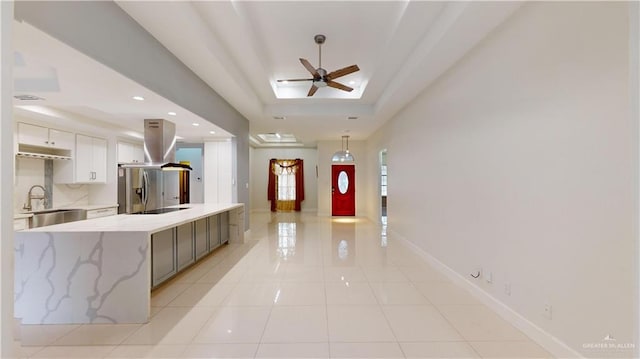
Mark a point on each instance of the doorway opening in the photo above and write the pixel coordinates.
(193, 154)
(383, 193)
(383, 186)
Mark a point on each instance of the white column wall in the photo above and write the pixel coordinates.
(6, 181)
(634, 88)
(218, 177)
(522, 159)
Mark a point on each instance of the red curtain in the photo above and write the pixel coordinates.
(271, 186)
(299, 184)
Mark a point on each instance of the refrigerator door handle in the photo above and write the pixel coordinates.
(145, 189)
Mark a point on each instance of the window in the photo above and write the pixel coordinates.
(286, 186)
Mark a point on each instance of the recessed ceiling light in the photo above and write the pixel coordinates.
(352, 118)
(352, 82)
(279, 117)
(212, 132)
(171, 113)
(138, 98)
(196, 124)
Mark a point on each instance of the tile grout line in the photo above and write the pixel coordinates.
(266, 323)
(326, 304)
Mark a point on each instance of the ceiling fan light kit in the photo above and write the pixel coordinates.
(320, 76)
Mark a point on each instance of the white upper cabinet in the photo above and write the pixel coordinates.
(99, 159)
(33, 135)
(89, 164)
(130, 152)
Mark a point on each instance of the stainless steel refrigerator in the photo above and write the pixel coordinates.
(146, 189)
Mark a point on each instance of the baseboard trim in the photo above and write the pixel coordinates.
(259, 210)
(266, 210)
(552, 344)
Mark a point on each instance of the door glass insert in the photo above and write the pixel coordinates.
(343, 182)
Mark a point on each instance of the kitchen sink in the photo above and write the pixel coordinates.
(56, 216)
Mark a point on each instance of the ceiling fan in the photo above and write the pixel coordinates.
(320, 76)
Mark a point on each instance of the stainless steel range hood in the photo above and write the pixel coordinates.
(160, 146)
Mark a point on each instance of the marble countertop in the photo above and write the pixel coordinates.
(88, 207)
(149, 223)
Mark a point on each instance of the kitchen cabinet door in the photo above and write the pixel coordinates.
(61, 139)
(201, 238)
(224, 227)
(185, 252)
(20, 224)
(163, 256)
(214, 233)
(83, 159)
(90, 162)
(102, 212)
(33, 135)
(99, 160)
(130, 153)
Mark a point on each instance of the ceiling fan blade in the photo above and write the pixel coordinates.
(343, 71)
(312, 90)
(309, 67)
(339, 86)
(293, 80)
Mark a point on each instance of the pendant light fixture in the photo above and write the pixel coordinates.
(344, 155)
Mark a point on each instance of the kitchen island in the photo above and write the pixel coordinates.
(102, 270)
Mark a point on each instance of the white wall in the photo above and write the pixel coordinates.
(259, 176)
(6, 181)
(521, 159)
(326, 149)
(634, 80)
(219, 183)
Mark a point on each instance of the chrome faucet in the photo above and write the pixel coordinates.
(30, 196)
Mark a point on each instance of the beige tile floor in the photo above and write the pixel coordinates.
(300, 287)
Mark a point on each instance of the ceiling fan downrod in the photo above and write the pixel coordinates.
(319, 39)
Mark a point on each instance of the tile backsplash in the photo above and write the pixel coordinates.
(29, 172)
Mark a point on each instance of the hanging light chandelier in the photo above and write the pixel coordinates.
(343, 155)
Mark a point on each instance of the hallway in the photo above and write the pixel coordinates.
(301, 286)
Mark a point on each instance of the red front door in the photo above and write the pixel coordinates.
(343, 190)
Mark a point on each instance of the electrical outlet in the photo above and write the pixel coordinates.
(507, 289)
(547, 311)
(489, 277)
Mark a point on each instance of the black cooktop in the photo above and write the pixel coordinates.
(161, 210)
